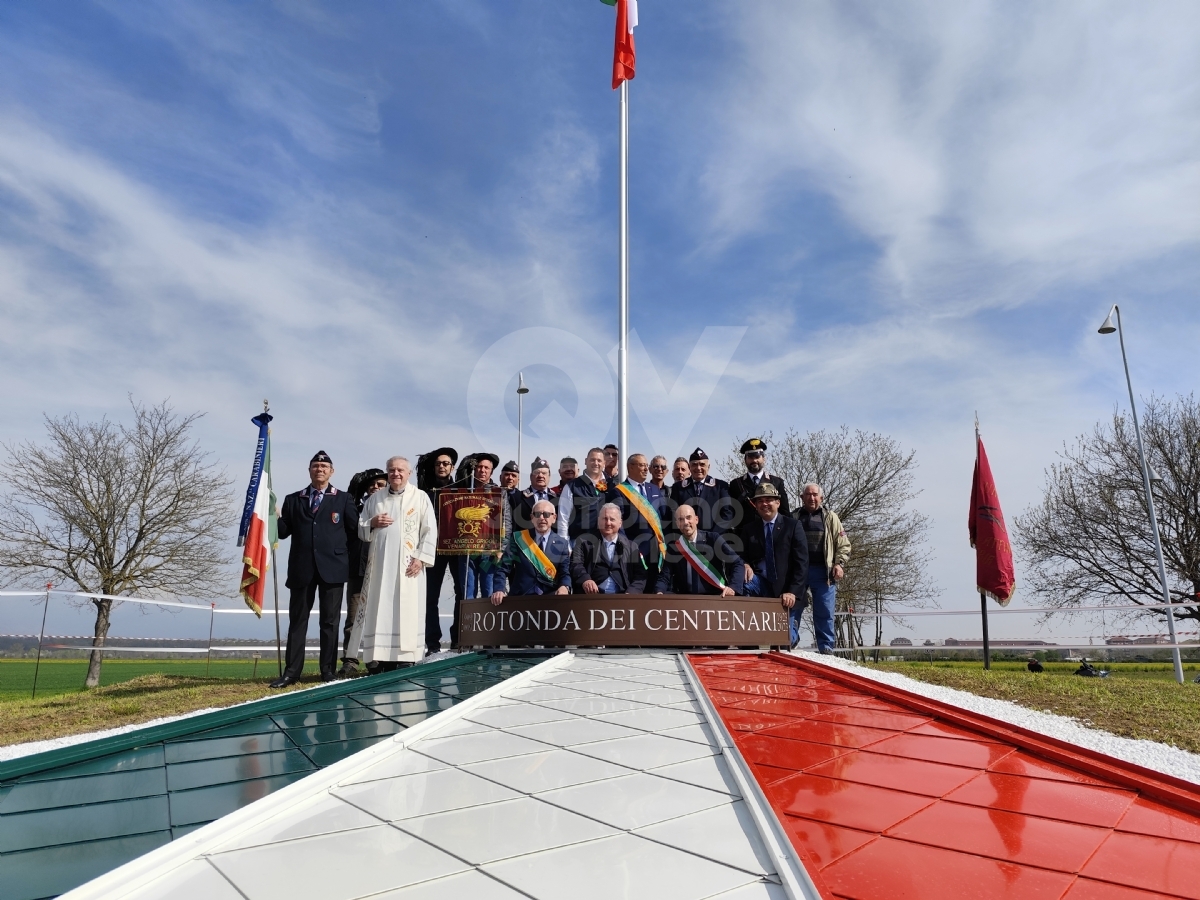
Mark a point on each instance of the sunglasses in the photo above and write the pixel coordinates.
(754, 454)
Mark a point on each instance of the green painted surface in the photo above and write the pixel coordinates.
(70, 815)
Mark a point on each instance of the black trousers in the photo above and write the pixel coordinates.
(434, 576)
(299, 607)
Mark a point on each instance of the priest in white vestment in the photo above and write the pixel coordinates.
(401, 528)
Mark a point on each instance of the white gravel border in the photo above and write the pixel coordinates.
(1149, 754)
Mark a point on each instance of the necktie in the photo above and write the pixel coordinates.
(769, 529)
(314, 502)
(542, 543)
(642, 488)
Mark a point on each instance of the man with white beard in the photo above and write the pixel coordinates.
(401, 527)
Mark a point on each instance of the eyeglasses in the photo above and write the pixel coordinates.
(443, 462)
(754, 454)
(659, 466)
(542, 515)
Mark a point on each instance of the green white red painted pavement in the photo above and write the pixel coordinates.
(706, 775)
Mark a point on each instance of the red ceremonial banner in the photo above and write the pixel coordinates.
(993, 553)
(470, 521)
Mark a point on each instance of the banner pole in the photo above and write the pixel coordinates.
(212, 616)
(987, 651)
(623, 314)
(38, 664)
(275, 583)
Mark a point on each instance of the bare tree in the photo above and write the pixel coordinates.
(867, 479)
(116, 510)
(1089, 541)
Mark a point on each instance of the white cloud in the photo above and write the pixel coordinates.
(1032, 143)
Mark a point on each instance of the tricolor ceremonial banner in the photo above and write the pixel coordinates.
(470, 521)
(257, 534)
(993, 553)
(624, 57)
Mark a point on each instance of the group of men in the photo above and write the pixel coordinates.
(591, 533)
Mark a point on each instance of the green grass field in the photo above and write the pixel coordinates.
(1137, 700)
(65, 676)
(1154, 671)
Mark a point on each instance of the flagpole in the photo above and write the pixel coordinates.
(278, 640)
(623, 315)
(987, 650)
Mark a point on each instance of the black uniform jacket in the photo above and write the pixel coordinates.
(320, 543)
(678, 576)
(790, 549)
(711, 500)
(588, 562)
(522, 506)
(742, 489)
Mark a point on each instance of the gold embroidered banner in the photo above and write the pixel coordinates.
(470, 521)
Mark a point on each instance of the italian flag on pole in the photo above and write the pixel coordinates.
(624, 57)
(258, 534)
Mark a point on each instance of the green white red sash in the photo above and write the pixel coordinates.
(537, 558)
(649, 513)
(702, 566)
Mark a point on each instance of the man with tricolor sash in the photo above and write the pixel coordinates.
(537, 561)
(644, 507)
(699, 562)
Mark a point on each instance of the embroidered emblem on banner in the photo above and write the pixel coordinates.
(336, 518)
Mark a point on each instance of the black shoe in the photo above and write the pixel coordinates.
(328, 677)
(284, 681)
(349, 669)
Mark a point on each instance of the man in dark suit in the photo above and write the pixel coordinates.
(537, 561)
(699, 562)
(645, 513)
(435, 472)
(538, 490)
(741, 490)
(776, 554)
(605, 561)
(322, 521)
(362, 486)
(707, 495)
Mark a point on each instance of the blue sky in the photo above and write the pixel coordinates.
(890, 216)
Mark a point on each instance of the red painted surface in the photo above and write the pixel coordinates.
(886, 794)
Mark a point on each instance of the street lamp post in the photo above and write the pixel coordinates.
(1109, 328)
(521, 392)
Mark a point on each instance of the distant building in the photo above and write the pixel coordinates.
(1122, 641)
(900, 642)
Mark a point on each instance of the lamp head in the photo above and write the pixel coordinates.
(1108, 327)
(1155, 478)
(521, 389)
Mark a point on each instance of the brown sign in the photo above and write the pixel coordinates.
(624, 620)
(470, 521)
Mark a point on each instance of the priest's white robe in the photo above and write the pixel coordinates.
(394, 629)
